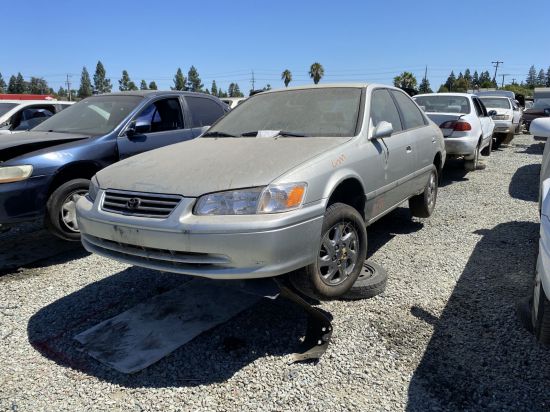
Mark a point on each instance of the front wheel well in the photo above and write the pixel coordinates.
(78, 170)
(349, 192)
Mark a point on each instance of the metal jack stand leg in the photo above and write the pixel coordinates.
(318, 332)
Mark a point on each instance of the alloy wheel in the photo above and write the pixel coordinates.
(339, 253)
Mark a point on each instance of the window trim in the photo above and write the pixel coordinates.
(146, 104)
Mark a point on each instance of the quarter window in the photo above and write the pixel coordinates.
(162, 115)
(382, 108)
(204, 111)
(412, 116)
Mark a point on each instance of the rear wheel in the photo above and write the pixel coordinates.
(487, 150)
(61, 209)
(341, 253)
(472, 164)
(423, 205)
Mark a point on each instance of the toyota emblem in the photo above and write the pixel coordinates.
(133, 203)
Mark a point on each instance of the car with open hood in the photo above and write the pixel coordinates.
(465, 122)
(44, 171)
(285, 182)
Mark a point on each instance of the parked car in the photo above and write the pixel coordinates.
(21, 115)
(232, 102)
(539, 302)
(540, 108)
(465, 123)
(507, 118)
(43, 172)
(286, 181)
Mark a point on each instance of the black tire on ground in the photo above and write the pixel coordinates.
(60, 209)
(540, 314)
(370, 283)
(488, 149)
(329, 277)
(423, 205)
(471, 165)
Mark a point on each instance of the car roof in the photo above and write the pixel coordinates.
(325, 86)
(153, 93)
(446, 94)
(35, 101)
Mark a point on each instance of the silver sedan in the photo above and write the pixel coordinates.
(286, 182)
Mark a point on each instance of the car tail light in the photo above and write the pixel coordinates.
(459, 126)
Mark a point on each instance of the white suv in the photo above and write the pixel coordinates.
(21, 115)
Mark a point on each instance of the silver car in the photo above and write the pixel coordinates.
(286, 182)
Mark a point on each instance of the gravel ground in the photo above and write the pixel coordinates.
(444, 335)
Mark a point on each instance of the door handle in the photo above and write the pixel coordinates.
(409, 149)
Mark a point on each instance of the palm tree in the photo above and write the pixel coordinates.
(316, 72)
(286, 77)
(405, 80)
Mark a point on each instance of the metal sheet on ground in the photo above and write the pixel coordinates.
(144, 334)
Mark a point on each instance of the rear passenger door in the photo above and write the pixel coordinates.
(159, 123)
(204, 112)
(423, 141)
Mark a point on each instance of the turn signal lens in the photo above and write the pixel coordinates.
(282, 197)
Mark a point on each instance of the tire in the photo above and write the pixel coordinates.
(423, 205)
(488, 149)
(370, 283)
(508, 138)
(328, 277)
(472, 164)
(540, 313)
(60, 213)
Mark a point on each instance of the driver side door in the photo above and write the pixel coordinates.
(158, 124)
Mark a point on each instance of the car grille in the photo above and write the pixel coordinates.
(162, 259)
(139, 204)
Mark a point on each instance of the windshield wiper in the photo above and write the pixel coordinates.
(282, 133)
(218, 134)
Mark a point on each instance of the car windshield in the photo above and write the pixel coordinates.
(542, 103)
(331, 112)
(443, 104)
(6, 107)
(496, 102)
(95, 116)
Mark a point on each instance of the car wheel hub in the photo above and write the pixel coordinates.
(338, 254)
(68, 211)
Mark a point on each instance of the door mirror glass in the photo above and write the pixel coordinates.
(384, 129)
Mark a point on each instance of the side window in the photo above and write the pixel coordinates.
(204, 111)
(160, 116)
(382, 108)
(483, 109)
(412, 116)
(477, 106)
(31, 116)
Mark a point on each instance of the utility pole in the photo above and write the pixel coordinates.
(502, 84)
(252, 81)
(513, 80)
(68, 83)
(496, 64)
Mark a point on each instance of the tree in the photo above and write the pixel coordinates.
(62, 92)
(531, 79)
(124, 82)
(541, 78)
(468, 77)
(85, 89)
(12, 87)
(17, 84)
(425, 86)
(3, 86)
(37, 85)
(461, 85)
(179, 81)
(316, 72)
(230, 89)
(449, 84)
(475, 80)
(143, 85)
(214, 88)
(547, 78)
(237, 91)
(194, 82)
(405, 80)
(443, 89)
(101, 83)
(286, 77)
(485, 80)
(153, 86)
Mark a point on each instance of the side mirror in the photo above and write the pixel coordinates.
(384, 129)
(136, 129)
(131, 130)
(492, 113)
(540, 127)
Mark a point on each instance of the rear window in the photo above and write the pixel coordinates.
(496, 102)
(443, 104)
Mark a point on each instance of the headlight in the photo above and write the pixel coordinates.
(93, 189)
(270, 199)
(10, 174)
(502, 117)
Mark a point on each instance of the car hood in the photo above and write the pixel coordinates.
(206, 165)
(17, 144)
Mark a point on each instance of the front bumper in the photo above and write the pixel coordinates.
(218, 247)
(23, 201)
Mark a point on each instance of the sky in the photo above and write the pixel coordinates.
(361, 41)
